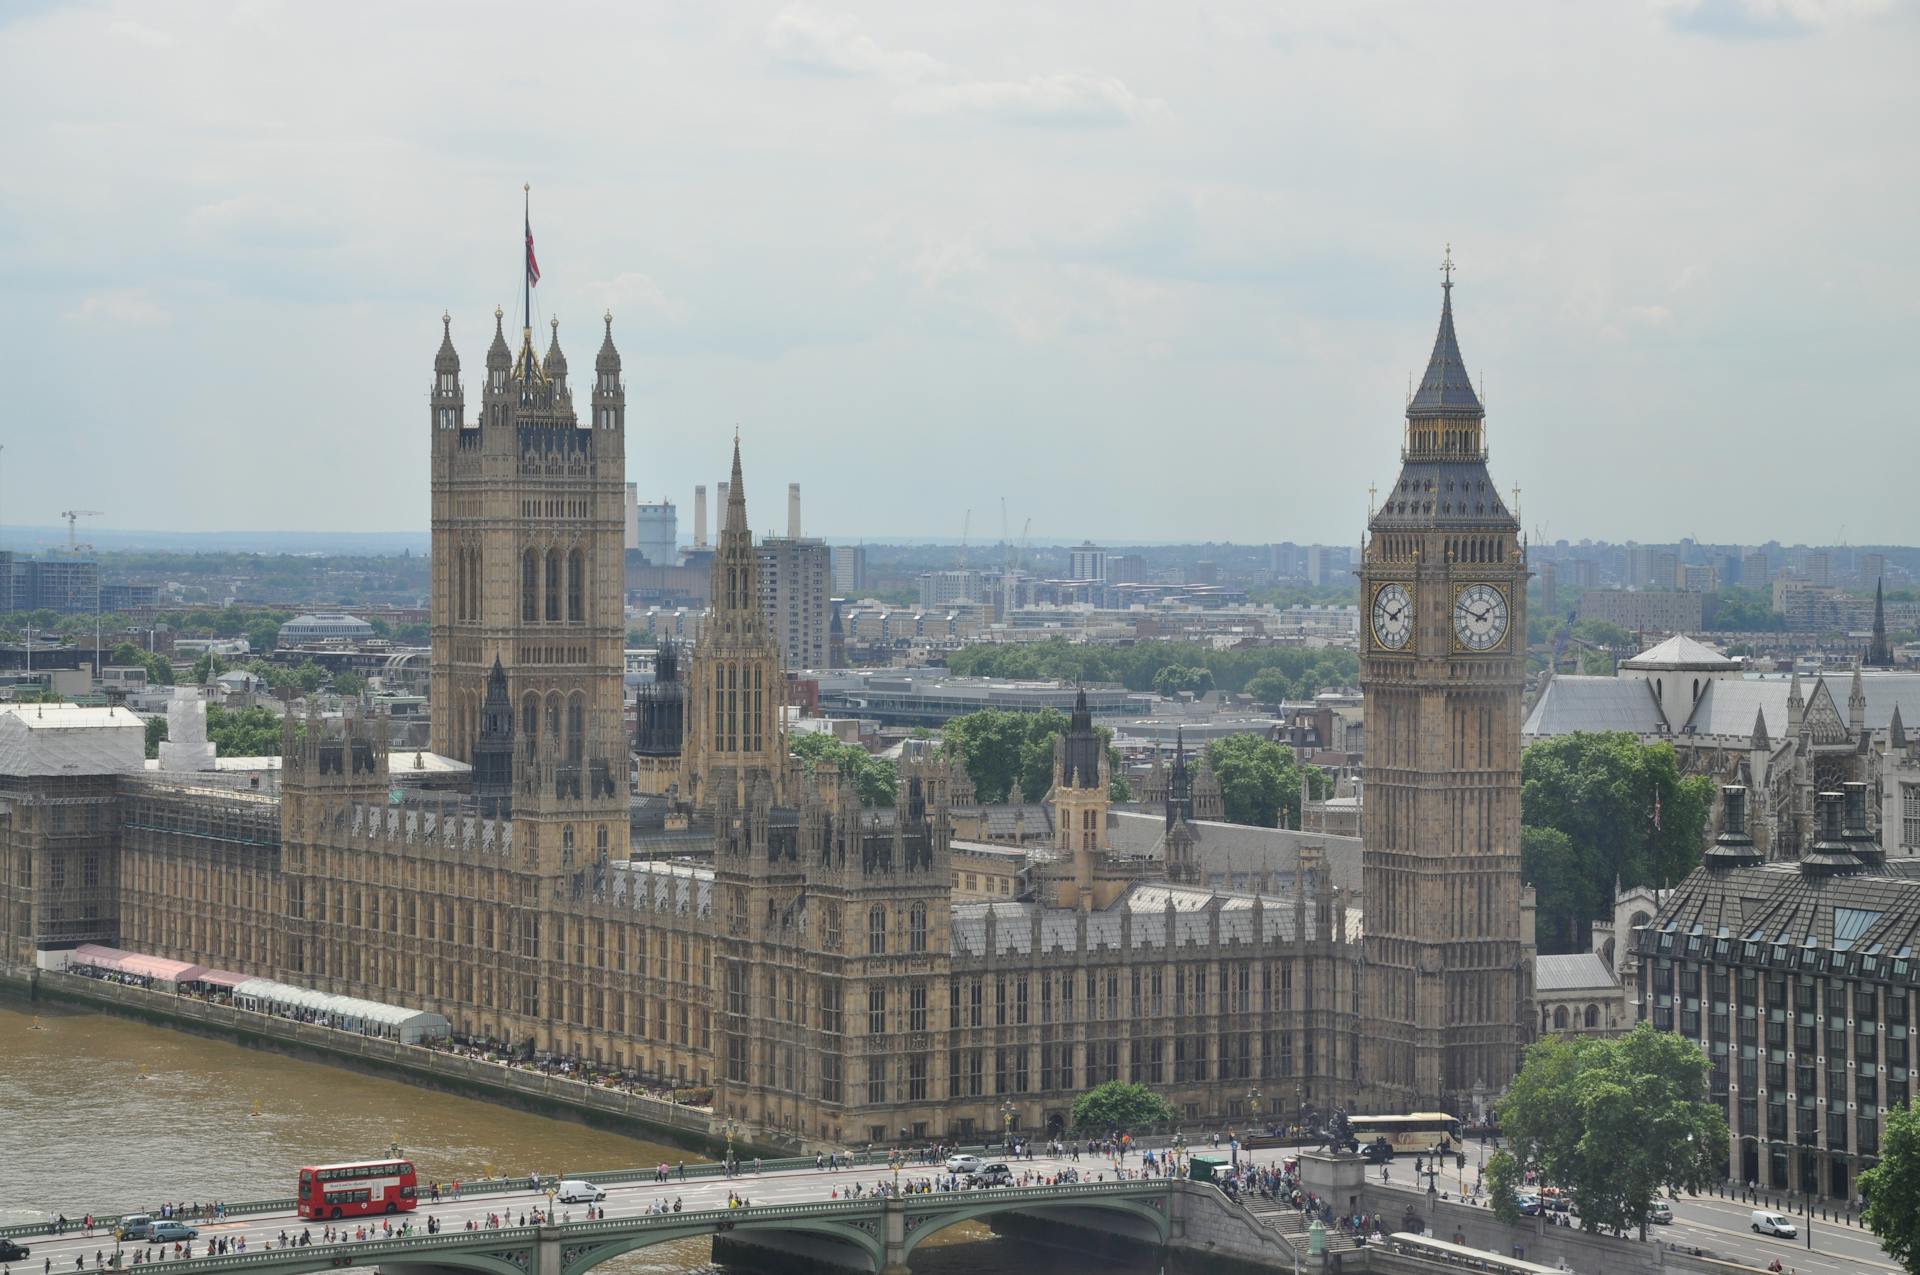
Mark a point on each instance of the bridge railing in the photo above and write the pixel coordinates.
(368, 1252)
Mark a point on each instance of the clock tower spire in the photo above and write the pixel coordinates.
(1443, 664)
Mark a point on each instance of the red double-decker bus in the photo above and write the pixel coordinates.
(354, 1190)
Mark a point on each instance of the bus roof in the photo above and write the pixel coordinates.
(353, 1164)
(1491, 1260)
(1424, 1117)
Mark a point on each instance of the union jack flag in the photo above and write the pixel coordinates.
(533, 265)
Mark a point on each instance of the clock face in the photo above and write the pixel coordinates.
(1393, 616)
(1479, 617)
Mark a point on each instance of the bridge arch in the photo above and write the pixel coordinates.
(1148, 1214)
(583, 1255)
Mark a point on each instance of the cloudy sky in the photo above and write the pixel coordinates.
(1147, 270)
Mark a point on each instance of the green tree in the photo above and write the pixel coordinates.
(874, 778)
(1625, 809)
(1260, 780)
(263, 636)
(1744, 611)
(246, 732)
(1566, 894)
(156, 735)
(1269, 686)
(350, 684)
(206, 668)
(1117, 1105)
(1604, 633)
(1615, 1121)
(1892, 1188)
(1503, 1186)
(1175, 678)
(159, 669)
(1119, 791)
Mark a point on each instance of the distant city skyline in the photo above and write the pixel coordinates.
(1160, 276)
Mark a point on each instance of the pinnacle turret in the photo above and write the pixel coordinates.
(446, 360)
(499, 356)
(609, 358)
(555, 364)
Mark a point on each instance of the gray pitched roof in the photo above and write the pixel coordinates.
(1728, 706)
(1681, 652)
(1572, 702)
(1445, 390)
(1578, 972)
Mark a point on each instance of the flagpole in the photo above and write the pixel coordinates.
(526, 276)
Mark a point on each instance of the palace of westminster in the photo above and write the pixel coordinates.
(815, 968)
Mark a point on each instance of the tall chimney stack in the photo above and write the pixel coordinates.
(700, 517)
(720, 510)
(793, 511)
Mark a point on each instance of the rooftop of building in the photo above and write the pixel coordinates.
(1864, 923)
(1577, 972)
(1151, 914)
(1682, 652)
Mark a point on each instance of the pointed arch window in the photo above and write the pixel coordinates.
(529, 586)
(553, 586)
(917, 928)
(576, 727)
(877, 932)
(576, 586)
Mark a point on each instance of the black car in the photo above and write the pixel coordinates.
(11, 1252)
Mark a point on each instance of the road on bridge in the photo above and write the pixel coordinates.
(1726, 1228)
(624, 1199)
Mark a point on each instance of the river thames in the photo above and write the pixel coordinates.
(98, 1114)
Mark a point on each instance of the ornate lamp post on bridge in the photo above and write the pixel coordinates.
(730, 1128)
(1007, 1113)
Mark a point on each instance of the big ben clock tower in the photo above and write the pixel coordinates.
(1449, 944)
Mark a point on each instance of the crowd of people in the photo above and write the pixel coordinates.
(565, 1067)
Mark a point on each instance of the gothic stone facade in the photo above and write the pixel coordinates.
(819, 975)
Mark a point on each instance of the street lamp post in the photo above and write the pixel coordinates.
(1007, 1112)
(730, 1126)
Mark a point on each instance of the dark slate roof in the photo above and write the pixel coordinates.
(1443, 493)
(1445, 389)
(1791, 920)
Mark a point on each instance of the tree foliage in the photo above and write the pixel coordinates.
(1503, 1186)
(1892, 1188)
(1260, 780)
(999, 747)
(1176, 678)
(876, 780)
(156, 735)
(1745, 611)
(159, 669)
(1627, 814)
(1134, 667)
(1615, 1121)
(1119, 1106)
(244, 732)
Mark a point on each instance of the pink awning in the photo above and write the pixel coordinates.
(224, 978)
(97, 954)
(159, 968)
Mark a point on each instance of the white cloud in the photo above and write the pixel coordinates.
(833, 44)
(635, 295)
(139, 33)
(129, 306)
(805, 39)
(1065, 98)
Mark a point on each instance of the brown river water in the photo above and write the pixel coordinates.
(102, 1114)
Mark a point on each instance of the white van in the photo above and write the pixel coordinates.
(1767, 1222)
(575, 1191)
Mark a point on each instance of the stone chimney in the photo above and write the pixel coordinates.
(700, 516)
(793, 511)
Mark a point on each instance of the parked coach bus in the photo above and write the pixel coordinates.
(331, 1191)
(1418, 1134)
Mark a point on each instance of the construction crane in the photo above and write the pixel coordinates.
(73, 516)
